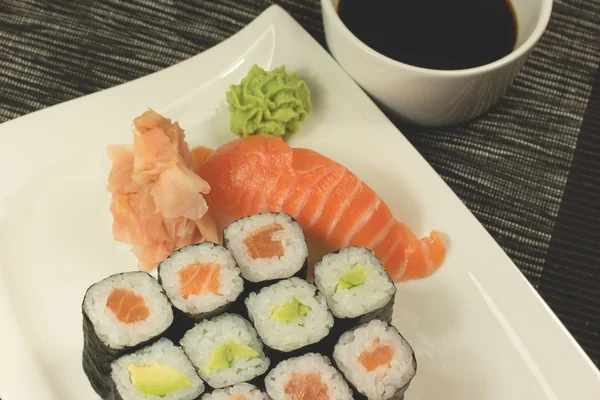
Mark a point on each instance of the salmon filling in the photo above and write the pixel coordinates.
(380, 356)
(238, 398)
(198, 279)
(128, 306)
(306, 387)
(260, 243)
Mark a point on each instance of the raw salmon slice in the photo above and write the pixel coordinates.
(198, 279)
(257, 174)
(128, 306)
(260, 243)
(381, 355)
(306, 387)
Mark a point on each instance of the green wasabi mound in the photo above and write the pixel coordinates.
(156, 380)
(224, 355)
(268, 103)
(353, 278)
(289, 311)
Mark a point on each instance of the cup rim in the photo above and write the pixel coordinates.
(534, 37)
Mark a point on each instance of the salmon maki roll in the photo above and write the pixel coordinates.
(161, 370)
(267, 247)
(376, 360)
(310, 376)
(120, 314)
(241, 391)
(356, 286)
(201, 280)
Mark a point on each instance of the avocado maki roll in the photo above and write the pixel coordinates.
(267, 247)
(290, 317)
(225, 350)
(120, 314)
(376, 360)
(356, 286)
(202, 281)
(161, 370)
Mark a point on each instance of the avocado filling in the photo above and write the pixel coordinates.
(353, 278)
(226, 353)
(156, 380)
(289, 311)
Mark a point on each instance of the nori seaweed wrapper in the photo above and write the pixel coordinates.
(399, 394)
(323, 347)
(341, 325)
(184, 321)
(97, 357)
(258, 381)
(249, 286)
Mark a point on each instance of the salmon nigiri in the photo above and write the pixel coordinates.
(257, 174)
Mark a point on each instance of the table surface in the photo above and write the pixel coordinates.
(529, 169)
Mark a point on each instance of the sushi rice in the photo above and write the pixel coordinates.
(384, 382)
(279, 379)
(291, 237)
(375, 292)
(230, 285)
(115, 333)
(244, 391)
(201, 342)
(301, 331)
(163, 353)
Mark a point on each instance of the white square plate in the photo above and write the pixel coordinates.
(480, 331)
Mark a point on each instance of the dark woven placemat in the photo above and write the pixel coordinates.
(529, 169)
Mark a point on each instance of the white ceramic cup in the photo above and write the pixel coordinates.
(431, 97)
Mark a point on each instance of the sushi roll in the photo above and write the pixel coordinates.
(120, 314)
(376, 360)
(241, 391)
(226, 350)
(201, 280)
(161, 370)
(267, 247)
(310, 376)
(289, 315)
(356, 286)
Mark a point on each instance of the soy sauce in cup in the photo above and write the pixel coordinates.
(434, 34)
